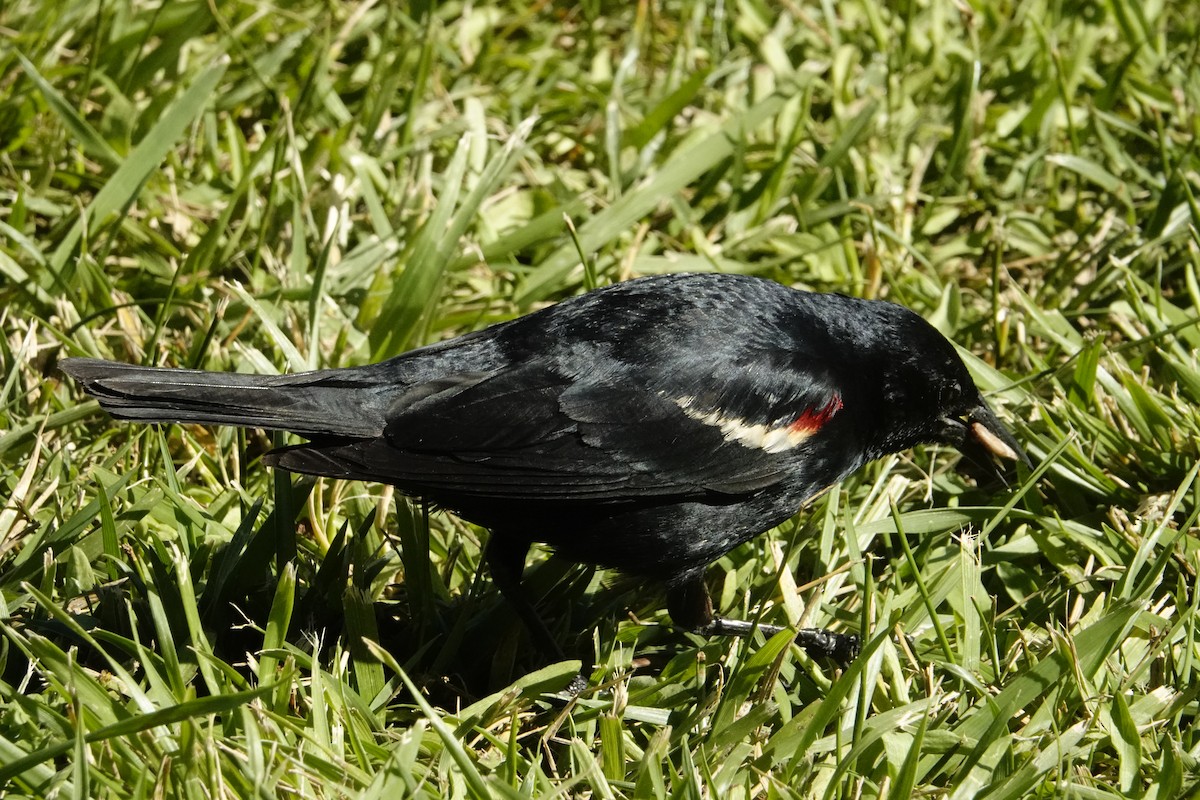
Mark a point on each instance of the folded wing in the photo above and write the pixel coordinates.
(533, 433)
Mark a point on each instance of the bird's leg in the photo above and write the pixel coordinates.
(691, 607)
(506, 561)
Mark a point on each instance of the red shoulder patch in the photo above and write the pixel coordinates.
(812, 420)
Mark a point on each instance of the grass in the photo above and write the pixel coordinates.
(278, 188)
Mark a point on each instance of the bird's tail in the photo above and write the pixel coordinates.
(342, 402)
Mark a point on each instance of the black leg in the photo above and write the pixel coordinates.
(506, 561)
(691, 607)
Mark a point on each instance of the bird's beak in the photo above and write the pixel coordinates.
(982, 437)
(986, 429)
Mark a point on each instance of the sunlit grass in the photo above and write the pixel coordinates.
(277, 189)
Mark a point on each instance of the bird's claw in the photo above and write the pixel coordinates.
(840, 648)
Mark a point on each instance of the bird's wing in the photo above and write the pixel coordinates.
(533, 432)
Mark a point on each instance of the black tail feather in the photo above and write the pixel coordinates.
(322, 403)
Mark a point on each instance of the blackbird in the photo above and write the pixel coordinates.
(649, 426)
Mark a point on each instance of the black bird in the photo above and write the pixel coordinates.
(650, 426)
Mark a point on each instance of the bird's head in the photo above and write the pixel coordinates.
(924, 393)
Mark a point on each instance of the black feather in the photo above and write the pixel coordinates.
(650, 426)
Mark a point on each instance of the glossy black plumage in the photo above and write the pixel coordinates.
(649, 426)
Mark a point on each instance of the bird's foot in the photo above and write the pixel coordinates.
(841, 648)
(577, 685)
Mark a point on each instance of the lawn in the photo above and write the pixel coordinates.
(258, 188)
